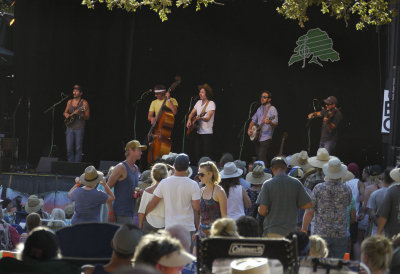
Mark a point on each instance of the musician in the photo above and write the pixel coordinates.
(160, 93)
(78, 111)
(331, 119)
(266, 116)
(203, 113)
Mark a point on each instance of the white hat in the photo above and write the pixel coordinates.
(189, 172)
(176, 259)
(395, 174)
(257, 176)
(91, 176)
(348, 176)
(250, 266)
(300, 159)
(230, 171)
(321, 158)
(334, 169)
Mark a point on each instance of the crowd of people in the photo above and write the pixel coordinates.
(336, 210)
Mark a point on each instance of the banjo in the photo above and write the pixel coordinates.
(256, 130)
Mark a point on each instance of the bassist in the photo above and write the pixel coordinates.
(262, 118)
(160, 92)
(202, 116)
(76, 113)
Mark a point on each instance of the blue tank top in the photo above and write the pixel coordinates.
(124, 203)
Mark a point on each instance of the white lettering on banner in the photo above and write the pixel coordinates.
(386, 112)
(246, 249)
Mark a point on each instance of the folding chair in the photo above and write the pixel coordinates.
(88, 243)
(281, 249)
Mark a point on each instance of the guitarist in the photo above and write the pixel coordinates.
(76, 113)
(160, 93)
(202, 115)
(262, 118)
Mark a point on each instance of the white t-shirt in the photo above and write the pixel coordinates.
(235, 205)
(205, 127)
(178, 193)
(156, 217)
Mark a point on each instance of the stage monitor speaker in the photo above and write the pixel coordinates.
(105, 165)
(44, 165)
(67, 168)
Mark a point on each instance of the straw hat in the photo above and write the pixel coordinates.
(34, 204)
(300, 159)
(250, 266)
(348, 176)
(257, 176)
(334, 169)
(91, 176)
(321, 158)
(395, 174)
(230, 170)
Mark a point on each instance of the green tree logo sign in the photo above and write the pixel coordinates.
(316, 43)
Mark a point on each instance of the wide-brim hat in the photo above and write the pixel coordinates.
(91, 176)
(250, 266)
(34, 204)
(395, 174)
(257, 176)
(300, 159)
(334, 169)
(348, 176)
(230, 170)
(321, 159)
(177, 258)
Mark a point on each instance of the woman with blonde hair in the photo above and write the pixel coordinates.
(376, 253)
(213, 201)
(225, 227)
(318, 247)
(154, 220)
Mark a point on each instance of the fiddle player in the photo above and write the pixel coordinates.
(331, 119)
(160, 93)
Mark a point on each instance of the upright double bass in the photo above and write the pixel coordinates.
(159, 136)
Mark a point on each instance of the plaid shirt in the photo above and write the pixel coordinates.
(330, 201)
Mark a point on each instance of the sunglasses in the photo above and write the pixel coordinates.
(200, 174)
(264, 97)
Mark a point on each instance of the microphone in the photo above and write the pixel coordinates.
(194, 97)
(148, 91)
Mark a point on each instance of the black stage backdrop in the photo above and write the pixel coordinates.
(238, 49)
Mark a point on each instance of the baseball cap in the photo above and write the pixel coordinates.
(176, 259)
(182, 162)
(135, 144)
(126, 239)
(331, 100)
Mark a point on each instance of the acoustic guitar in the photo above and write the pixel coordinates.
(194, 124)
(74, 115)
(256, 130)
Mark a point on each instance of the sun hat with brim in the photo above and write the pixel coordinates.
(321, 159)
(349, 176)
(250, 266)
(395, 174)
(91, 176)
(176, 259)
(334, 169)
(34, 204)
(257, 176)
(300, 159)
(230, 170)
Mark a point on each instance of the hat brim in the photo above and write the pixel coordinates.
(238, 173)
(190, 170)
(395, 174)
(176, 259)
(294, 161)
(336, 175)
(349, 176)
(314, 162)
(29, 209)
(257, 181)
(91, 183)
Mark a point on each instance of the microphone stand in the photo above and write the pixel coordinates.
(185, 121)
(14, 113)
(135, 105)
(308, 126)
(28, 133)
(52, 108)
(244, 128)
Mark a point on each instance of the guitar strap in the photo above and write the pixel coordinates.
(265, 113)
(204, 108)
